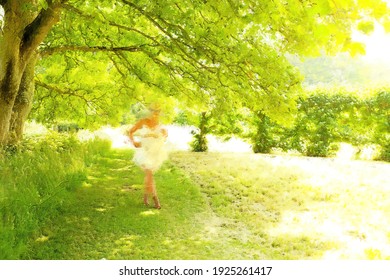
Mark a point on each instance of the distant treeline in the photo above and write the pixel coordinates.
(324, 120)
(321, 122)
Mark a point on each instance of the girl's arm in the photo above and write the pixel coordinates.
(137, 126)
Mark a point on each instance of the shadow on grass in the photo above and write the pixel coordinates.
(284, 208)
(107, 219)
(214, 206)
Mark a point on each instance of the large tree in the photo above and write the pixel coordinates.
(22, 31)
(105, 53)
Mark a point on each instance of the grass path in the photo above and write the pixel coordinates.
(108, 220)
(219, 206)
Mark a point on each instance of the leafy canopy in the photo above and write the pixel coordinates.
(105, 55)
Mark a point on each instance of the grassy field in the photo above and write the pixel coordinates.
(225, 206)
(106, 219)
(282, 207)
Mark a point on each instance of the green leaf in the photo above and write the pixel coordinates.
(43, 4)
(355, 48)
(367, 27)
(386, 25)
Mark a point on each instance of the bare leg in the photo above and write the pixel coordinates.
(146, 193)
(150, 189)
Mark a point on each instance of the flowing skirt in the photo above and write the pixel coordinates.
(151, 154)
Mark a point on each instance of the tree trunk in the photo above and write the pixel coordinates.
(23, 102)
(11, 64)
(10, 77)
(24, 29)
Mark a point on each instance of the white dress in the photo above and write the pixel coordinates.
(152, 152)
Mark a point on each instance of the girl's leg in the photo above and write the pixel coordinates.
(150, 188)
(147, 190)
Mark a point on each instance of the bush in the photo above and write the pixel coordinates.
(37, 179)
(378, 111)
(385, 153)
(182, 118)
(199, 144)
(262, 141)
(68, 127)
(325, 119)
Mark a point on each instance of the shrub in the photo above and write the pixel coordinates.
(68, 127)
(324, 119)
(379, 113)
(263, 140)
(199, 144)
(37, 179)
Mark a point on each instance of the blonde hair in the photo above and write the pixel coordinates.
(154, 107)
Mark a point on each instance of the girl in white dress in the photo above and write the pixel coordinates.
(150, 152)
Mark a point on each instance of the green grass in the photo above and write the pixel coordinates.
(223, 206)
(37, 179)
(107, 218)
(295, 207)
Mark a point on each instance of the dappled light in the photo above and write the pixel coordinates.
(195, 130)
(353, 211)
(149, 213)
(42, 238)
(103, 208)
(124, 246)
(225, 205)
(343, 205)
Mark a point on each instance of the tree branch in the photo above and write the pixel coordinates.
(60, 91)
(135, 71)
(50, 51)
(175, 42)
(110, 23)
(37, 30)
(179, 44)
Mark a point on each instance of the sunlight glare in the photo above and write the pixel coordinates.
(179, 139)
(377, 44)
(346, 152)
(42, 238)
(346, 186)
(148, 213)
